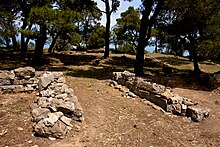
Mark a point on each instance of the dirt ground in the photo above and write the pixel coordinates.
(112, 120)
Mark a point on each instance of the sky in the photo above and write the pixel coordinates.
(123, 7)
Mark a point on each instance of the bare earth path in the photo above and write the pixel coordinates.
(112, 120)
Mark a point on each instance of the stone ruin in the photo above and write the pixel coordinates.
(55, 105)
(160, 95)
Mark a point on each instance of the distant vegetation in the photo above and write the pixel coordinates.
(174, 25)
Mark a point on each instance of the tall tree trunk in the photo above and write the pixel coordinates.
(194, 57)
(7, 42)
(14, 42)
(107, 33)
(53, 44)
(139, 62)
(23, 45)
(156, 47)
(38, 53)
(145, 33)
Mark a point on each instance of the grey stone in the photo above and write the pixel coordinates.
(39, 113)
(131, 94)
(7, 75)
(13, 88)
(45, 80)
(57, 75)
(61, 80)
(158, 88)
(144, 85)
(66, 120)
(124, 89)
(25, 72)
(18, 81)
(52, 118)
(177, 108)
(169, 108)
(129, 84)
(66, 107)
(176, 99)
(159, 101)
(47, 93)
(58, 130)
(144, 94)
(41, 100)
(117, 75)
(197, 113)
(5, 82)
(126, 75)
(61, 96)
(183, 109)
(30, 87)
(112, 83)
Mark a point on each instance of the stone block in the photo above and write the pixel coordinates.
(159, 89)
(13, 88)
(66, 107)
(126, 75)
(5, 82)
(39, 113)
(144, 85)
(117, 75)
(130, 85)
(144, 94)
(196, 113)
(7, 74)
(25, 72)
(159, 101)
(45, 80)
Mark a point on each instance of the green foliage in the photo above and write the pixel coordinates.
(200, 35)
(97, 37)
(126, 48)
(127, 28)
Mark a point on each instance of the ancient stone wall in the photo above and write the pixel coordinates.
(55, 105)
(160, 95)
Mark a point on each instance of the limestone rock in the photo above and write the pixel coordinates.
(5, 82)
(112, 83)
(197, 113)
(66, 107)
(39, 113)
(7, 75)
(61, 96)
(13, 88)
(45, 80)
(117, 75)
(25, 72)
(52, 118)
(66, 120)
(47, 93)
(57, 75)
(131, 94)
(58, 130)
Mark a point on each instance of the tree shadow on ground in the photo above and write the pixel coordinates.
(73, 65)
(121, 61)
(173, 60)
(101, 73)
(74, 59)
